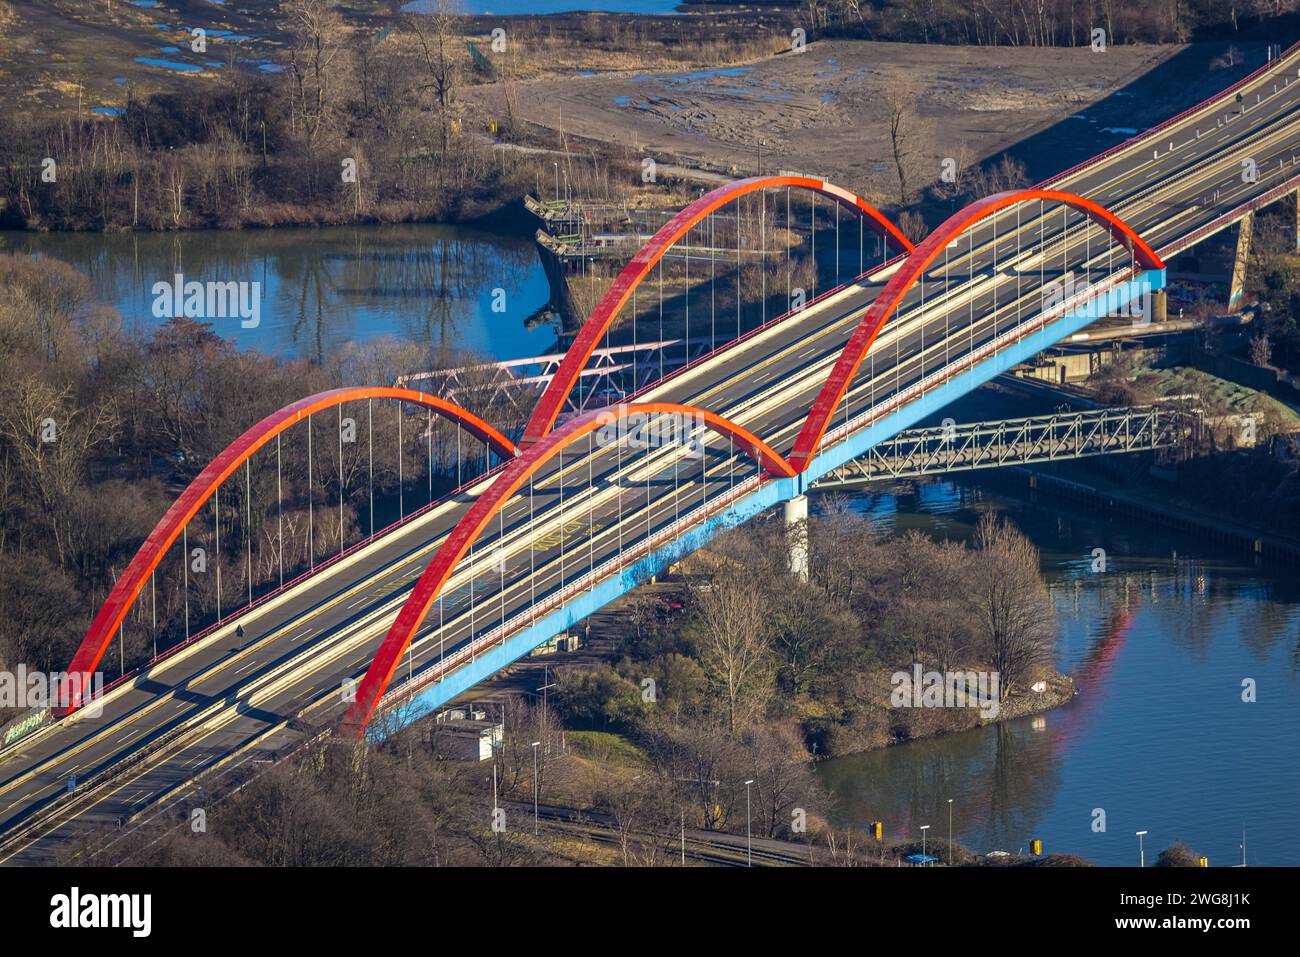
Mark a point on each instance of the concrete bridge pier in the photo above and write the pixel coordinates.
(796, 530)
(1295, 195)
(1244, 229)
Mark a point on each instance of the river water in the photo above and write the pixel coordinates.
(321, 288)
(1159, 737)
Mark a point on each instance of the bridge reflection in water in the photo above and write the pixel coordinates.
(1158, 736)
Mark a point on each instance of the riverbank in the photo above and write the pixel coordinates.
(877, 724)
(1159, 733)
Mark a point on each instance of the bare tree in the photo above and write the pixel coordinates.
(52, 442)
(1012, 611)
(735, 650)
(436, 32)
(319, 59)
(905, 132)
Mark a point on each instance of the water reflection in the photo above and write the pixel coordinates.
(1159, 737)
(433, 285)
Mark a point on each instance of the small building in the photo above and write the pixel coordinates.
(466, 737)
(559, 643)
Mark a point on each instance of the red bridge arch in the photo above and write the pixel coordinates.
(639, 266)
(492, 500)
(128, 587)
(909, 273)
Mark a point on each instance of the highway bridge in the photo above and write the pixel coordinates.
(588, 502)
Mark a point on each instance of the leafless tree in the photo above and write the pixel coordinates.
(735, 649)
(906, 133)
(319, 62)
(1009, 603)
(436, 31)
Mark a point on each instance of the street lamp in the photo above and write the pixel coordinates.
(949, 829)
(1142, 855)
(535, 744)
(749, 840)
(924, 828)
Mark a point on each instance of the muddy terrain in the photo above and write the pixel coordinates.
(89, 55)
(824, 110)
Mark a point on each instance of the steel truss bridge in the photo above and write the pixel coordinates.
(357, 625)
(1045, 438)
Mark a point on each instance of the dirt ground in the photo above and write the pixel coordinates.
(58, 55)
(821, 111)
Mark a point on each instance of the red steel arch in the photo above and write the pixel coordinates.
(909, 273)
(639, 266)
(492, 500)
(168, 529)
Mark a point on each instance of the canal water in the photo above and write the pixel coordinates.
(321, 288)
(1159, 737)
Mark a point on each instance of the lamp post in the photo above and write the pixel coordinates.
(749, 840)
(949, 831)
(924, 828)
(535, 744)
(1142, 855)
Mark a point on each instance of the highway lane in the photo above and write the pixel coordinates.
(330, 616)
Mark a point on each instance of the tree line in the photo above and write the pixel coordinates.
(1042, 23)
(759, 667)
(364, 124)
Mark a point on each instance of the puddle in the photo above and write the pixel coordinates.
(169, 65)
(508, 7)
(709, 74)
(266, 66)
